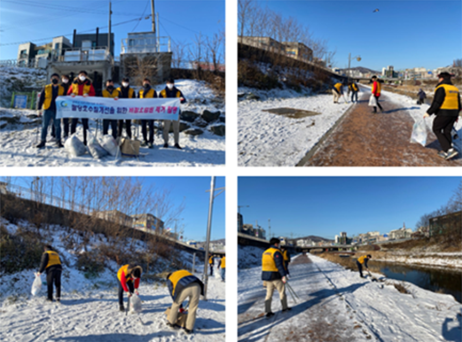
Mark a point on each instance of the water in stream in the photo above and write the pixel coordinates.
(429, 278)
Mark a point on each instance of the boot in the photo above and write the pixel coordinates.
(284, 305)
(121, 308)
(268, 308)
(41, 145)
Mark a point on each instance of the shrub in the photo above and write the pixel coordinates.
(91, 264)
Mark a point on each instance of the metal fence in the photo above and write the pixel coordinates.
(23, 63)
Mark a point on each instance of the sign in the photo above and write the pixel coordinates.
(122, 109)
(20, 101)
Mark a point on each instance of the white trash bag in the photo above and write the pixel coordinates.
(217, 273)
(419, 132)
(372, 101)
(74, 146)
(95, 149)
(110, 145)
(36, 286)
(135, 304)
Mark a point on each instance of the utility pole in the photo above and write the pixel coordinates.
(358, 58)
(269, 229)
(109, 31)
(209, 226)
(153, 18)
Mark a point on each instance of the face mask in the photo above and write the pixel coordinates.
(65, 81)
(54, 81)
(82, 78)
(110, 87)
(125, 84)
(170, 86)
(146, 86)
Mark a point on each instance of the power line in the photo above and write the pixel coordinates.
(186, 28)
(142, 15)
(70, 34)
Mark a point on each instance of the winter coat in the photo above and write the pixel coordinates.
(147, 94)
(48, 96)
(178, 280)
(174, 92)
(126, 93)
(112, 94)
(421, 94)
(125, 275)
(363, 260)
(446, 101)
(272, 264)
(376, 88)
(80, 88)
(338, 88)
(50, 262)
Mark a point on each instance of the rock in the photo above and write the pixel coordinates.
(201, 123)
(210, 116)
(3, 126)
(193, 131)
(11, 119)
(189, 116)
(219, 130)
(222, 119)
(32, 116)
(252, 96)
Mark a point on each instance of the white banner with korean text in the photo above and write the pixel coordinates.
(121, 109)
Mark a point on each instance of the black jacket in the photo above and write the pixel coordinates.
(53, 101)
(438, 100)
(44, 262)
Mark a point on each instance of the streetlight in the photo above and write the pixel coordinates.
(358, 58)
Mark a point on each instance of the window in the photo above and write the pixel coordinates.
(56, 46)
(86, 44)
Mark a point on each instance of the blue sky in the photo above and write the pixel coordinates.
(196, 203)
(325, 206)
(405, 34)
(30, 20)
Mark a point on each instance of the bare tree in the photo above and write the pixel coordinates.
(138, 68)
(245, 7)
(179, 54)
(458, 63)
(214, 48)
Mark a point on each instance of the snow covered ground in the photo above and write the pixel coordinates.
(266, 139)
(89, 307)
(336, 305)
(20, 130)
(430, 259)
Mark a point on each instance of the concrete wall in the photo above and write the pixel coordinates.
(161, 69)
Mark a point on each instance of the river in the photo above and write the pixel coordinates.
(429, 278)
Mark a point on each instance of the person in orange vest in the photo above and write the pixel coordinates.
(169, 92)
(146, 93)
(47, 102)
(362, 260)
(111, 92)
(211, 262)
(129, 281)
(354, 89)
(222, 267)
(376, 91)
(126, 93)
(274, 275)
(182, 285)
(286, 256)
(337, 91)
(446, 106)
(52, 264)
(81, 86)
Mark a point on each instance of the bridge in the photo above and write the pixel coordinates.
(248, 240)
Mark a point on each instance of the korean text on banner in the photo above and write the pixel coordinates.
(122, 109)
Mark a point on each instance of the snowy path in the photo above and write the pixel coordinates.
(336, 305)
(267, 139)
(95, 317)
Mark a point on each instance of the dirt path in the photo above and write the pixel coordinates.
(366, 139)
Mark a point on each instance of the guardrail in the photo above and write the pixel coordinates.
(145, 44)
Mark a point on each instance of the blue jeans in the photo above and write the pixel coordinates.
(354, 94)
(48, 115)
(222, 273)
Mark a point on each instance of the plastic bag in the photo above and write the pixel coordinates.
(372, 101)
(95, 149)
(135, 304)
(110, 145)
(74, 146)
(36, 286)
(217, 273)
(419, 132)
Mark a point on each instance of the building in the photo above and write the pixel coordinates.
(264, 43)
(142, 56)
(298, 50)
(115, 216)
(148, 222)
(441, 224)
(240, 223)
(401, 233)
(93, 42)
(31, 55)
(304, 242)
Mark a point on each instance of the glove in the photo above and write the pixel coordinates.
(182, 310)
(129, 294)
(72, 95)
(284, 280)
(426, 115)
(85, 95)
(37, 274)
(116, 98)
(40, 113)
(137, 293)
